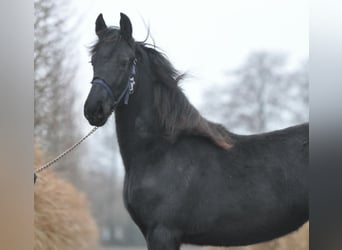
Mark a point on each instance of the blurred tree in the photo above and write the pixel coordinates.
(54, 96)
(298, 91)
(262, 96)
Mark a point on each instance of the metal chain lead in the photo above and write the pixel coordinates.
(131, 83)
(66, 151)
(48, 164)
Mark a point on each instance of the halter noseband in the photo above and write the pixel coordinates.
(128, 90)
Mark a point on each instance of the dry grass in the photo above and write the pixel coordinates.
(298, 240)
(62, 218)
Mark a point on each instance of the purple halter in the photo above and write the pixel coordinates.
(128, 90)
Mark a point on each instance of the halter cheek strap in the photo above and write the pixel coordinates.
(128, 90)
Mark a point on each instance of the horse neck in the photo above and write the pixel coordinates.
(138, 113)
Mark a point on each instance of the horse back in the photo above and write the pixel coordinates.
(258, 188)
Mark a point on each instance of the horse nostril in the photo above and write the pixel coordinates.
(94, 112)
(99, 112)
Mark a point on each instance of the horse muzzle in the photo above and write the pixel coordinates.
(97, 112)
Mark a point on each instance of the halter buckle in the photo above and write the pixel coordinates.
(131, 78)
(131, 84)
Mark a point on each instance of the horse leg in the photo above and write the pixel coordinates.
(161, 238)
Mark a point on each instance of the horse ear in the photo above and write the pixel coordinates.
(125, 27)
(100, 25)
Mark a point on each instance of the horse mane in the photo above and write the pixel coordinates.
(176, 114)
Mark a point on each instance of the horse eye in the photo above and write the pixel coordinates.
(124, 63)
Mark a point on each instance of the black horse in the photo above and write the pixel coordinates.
(189, 180)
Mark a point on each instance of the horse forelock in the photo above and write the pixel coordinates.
(111, 34)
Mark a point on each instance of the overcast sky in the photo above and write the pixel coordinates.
(203, 38)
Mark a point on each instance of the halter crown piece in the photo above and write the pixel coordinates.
(128, 90)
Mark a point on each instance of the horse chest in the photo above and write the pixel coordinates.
(141, 197)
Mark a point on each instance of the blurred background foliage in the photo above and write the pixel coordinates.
(261, 95)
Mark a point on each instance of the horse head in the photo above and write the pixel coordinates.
(113, 60)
